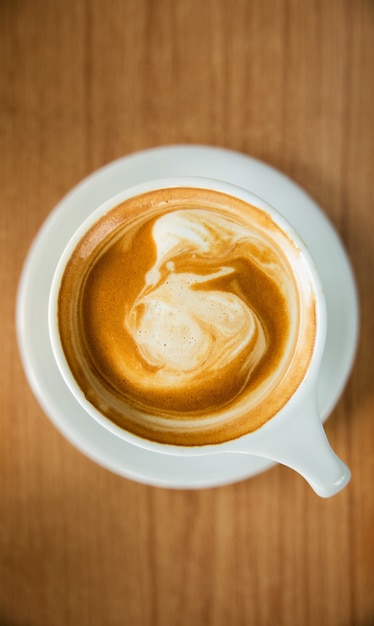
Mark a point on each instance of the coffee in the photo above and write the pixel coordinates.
(186, 316)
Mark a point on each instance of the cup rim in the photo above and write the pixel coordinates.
(175, 182)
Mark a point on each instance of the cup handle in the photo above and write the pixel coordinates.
(302, 445)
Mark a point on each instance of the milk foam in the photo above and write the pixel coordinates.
(180, 328)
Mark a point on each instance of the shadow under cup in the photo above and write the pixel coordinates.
(186, 312)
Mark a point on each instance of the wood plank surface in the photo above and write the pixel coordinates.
(83, 82)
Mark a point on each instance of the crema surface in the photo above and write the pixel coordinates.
(185, 316)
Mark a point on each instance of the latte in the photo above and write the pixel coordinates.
(186, 316)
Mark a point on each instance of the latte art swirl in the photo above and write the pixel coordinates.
(179, 315)
(183, 326)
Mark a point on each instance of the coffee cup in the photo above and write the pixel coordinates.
(187, 317)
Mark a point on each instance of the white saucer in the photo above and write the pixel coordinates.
(32, 327)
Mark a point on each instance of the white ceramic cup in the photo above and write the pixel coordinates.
(294, 436)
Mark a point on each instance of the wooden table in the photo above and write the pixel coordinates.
(85, 82)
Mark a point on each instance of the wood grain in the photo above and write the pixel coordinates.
(82, 83)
